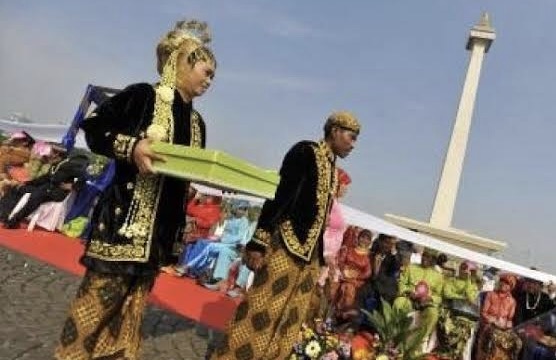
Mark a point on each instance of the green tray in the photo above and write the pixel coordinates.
(216, 169)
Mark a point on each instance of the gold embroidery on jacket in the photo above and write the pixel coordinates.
(141, 240)
(325, 185)
(123, 146)
(196, 135)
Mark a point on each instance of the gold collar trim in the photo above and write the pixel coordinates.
(326, 148)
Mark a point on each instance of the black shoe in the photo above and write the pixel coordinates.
(212, 281)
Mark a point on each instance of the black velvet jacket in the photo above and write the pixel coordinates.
(301, 203)
(112, 130)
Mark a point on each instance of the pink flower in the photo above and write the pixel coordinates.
(421, 290)
(42, 149)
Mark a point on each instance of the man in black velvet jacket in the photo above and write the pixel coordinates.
(140, 213)
(286, 249)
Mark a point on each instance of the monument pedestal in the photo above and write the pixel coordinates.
(450, 235)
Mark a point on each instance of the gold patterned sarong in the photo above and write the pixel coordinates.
(267, 322)
(454, 333)
(497, 344)
(105, 318)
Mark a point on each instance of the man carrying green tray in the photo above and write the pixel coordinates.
(286, 250)
(140, 214)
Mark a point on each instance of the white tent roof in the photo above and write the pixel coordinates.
(361, 219)
(46, 132)
(203, 189)
(358, 218)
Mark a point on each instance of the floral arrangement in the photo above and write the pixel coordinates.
(321, 343)
(397, 339)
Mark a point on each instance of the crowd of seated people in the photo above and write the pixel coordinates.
(458, 310)
(220, 246)
(213, 243)
(35, 174)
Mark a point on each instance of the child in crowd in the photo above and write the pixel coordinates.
(54, 186)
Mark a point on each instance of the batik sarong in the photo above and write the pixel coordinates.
(497, 344)
(267, 322)
(105, 318)
(454, 333)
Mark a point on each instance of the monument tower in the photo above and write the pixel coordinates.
(480, 38)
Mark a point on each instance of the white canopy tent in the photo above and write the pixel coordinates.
(207, 190)
(45, 132)
(361, 219)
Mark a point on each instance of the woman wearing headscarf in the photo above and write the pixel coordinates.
(355, 268)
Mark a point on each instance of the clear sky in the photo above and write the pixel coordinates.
(284, 65)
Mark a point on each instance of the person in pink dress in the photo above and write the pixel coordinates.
(334, 235)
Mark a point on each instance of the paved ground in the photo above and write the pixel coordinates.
(34, 300)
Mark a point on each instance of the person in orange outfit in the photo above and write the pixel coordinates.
(205, 213)
(355, 269)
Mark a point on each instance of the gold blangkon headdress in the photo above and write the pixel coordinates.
(191, 37)
(345, 120)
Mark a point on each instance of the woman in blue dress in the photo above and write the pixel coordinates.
(198, 260)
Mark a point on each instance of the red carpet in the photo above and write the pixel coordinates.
(181, 296)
